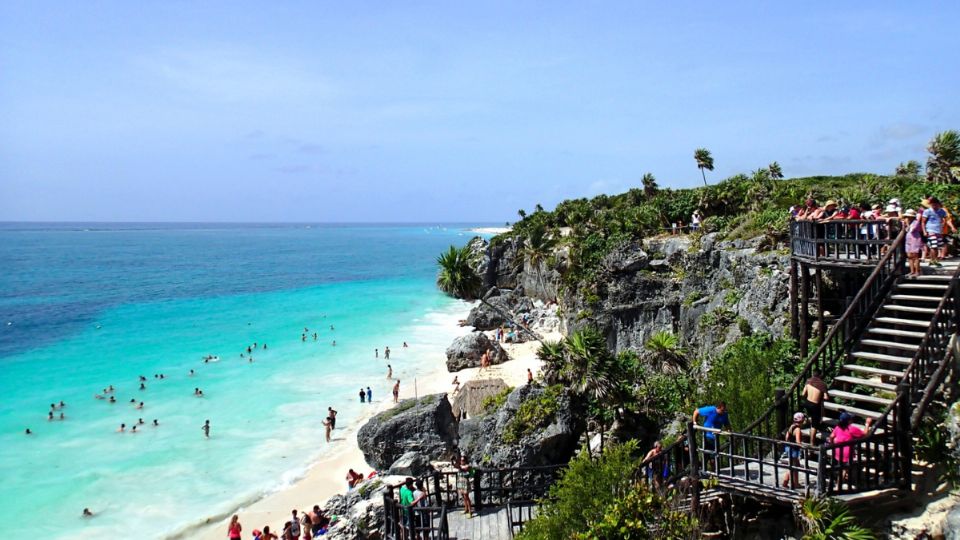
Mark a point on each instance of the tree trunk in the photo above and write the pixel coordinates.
(704, 176)
(510, 318)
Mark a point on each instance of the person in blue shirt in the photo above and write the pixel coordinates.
(932, 220)
(715, 417)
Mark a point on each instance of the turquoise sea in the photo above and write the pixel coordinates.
(84, 306)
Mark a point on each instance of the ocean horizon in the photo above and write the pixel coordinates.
(87, 305)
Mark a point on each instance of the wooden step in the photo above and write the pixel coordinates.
(903, 322)
(933, 277)
(863, 413)
(890, 344)
(873, 370)
(910, 309)
(873, 383)
(923, 285)
(852, 396)
(914, 298)
(892, 332)
(889, 358)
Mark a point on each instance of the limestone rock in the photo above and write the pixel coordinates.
(465, 351)
(410, 464)
(481, 438)
(425, 426)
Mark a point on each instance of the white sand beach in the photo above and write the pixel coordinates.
(490, 230)
(327, 477)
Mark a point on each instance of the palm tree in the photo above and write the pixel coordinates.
(591, 371)
(538, 208)
(829, 519)
(910, 168)
(704, 162)
(760, 188)
(458, 278)
(650, 187)
(522, 213)
(551, 352)
(537, 247)
(776, 173)
(665, 350)
(944, 151)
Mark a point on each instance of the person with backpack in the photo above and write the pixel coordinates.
(794, 439)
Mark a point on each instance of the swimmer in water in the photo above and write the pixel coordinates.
(206, 429)
(389, 371)
(50, 416)
(155, 423)
(140, 406)
(113, 399)
(140, 421)
(62, 417)
(143, 386)
(405, 345)
(123, 427)
(376, 353)
(134, 430)
(132, 400)
(110, 388)
(98, 396)
(87, 513)
(314, 336)
(191, 373)
(334, 343)
(62, 404)
(28, 432)
(264, 346)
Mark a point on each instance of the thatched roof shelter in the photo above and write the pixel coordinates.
(471, 395)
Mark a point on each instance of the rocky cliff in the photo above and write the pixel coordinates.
(707, 292)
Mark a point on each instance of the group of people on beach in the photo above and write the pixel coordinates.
(301, 525)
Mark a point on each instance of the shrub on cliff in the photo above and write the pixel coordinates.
(747, 373)
(600, 498)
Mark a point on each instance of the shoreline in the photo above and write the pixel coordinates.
(325, 477)
(490, 230)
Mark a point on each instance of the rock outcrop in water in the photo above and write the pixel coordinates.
(465, 351)
(424, 426)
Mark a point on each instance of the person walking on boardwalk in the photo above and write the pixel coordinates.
(465, 475)
(794, 438)
(714, 418)
(406, 505)
(932, 219)
(814, 393)
(846, 432)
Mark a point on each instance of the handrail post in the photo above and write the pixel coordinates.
(477, 503)
(903, 432)
(694, 470)
(780, 398)
(821, 471)
(436, 488)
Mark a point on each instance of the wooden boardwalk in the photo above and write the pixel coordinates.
(490, 523)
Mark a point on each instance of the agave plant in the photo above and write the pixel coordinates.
(704, 162)
(829, 519)
(944, 151)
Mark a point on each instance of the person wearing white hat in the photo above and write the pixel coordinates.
(794, 436)
(895, 202)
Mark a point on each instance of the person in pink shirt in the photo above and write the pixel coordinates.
(914, 244)
(845, 432)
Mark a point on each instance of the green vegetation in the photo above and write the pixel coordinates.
(944, 157)
(492, 403)
(599, 499)
(704, 161)
(719, 318)
(933, 445)
(665, 351)
(533, 414)
(830, 519)
(747, 373)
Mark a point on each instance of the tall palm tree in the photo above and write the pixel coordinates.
(650, 187)
(776, 173)
(537, 247)
(944, 151)
(459, 279)
(522, 213)
(910, 168)
(704, 162)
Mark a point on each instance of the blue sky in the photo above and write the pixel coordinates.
(447, 111)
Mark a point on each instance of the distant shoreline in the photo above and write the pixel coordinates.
(490, 230)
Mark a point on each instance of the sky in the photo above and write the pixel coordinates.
(449, 111)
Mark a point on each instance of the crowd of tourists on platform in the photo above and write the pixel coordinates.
(929, 226)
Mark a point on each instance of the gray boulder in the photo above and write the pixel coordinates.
(482, 438)
(465, 351)
(512, 303)
(425, 426)
(359, 512)
(409, 464)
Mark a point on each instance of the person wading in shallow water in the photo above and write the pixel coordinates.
(206, 429)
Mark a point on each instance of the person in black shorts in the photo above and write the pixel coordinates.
(814, 393)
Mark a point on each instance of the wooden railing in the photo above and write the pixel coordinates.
(843, 240)
(842, 336)
(486, 487)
